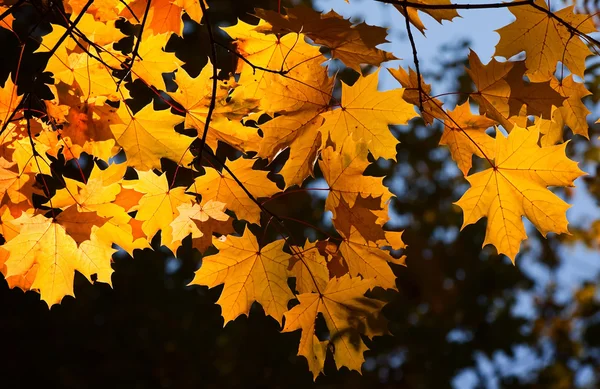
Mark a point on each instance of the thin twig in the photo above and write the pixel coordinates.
(71, 27)
(213, 59)
(411, 4)
(415, 57)
(136, 49)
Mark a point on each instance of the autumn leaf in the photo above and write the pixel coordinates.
(250, 273)
(9, 100)
(516, 186)
(159, 206)
(44, 247)
(150, 135)
(153, 61)
(464, 133)
(267, 51)
(503, 95)
(353, 44)
(343, 170)
(194, 95)
(300, 101)
(220, 186)
(545, 39)
(347, 314)
(365, 114)
(195, 219)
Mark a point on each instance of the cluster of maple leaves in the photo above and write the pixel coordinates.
(283, 74)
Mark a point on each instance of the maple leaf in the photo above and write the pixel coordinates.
(546, 40)
(9, 100)
(573, 112)
(153, 61)
(464, 133)
(300, 101)
(149, 135)
(504, 96)
(352, 44)
(194, 219)
(214, 185)
(158, 208)
(343, 170)
(79, 224)
(347, 314)
(363, 236)
(309, 267)
(194, 95)
(14, 186)
(43, 246)
(365, 114)
(103, 195)
(250, 273)
(516, 186)
(99, 32)
(267, 51)
(102, 10)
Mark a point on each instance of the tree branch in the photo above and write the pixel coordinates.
(411, 4)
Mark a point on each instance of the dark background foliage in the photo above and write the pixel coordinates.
(454, 309)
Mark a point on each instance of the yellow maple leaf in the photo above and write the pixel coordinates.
(301, 99)
(309, 267)
(221, 187)
(149, 135)
(269, 51)
(153, 61)
(353, 44)
(503, 95)
(516, 186)
(464, 133)
(343, 170)
(101, 195)
(44, 248)
(158, 208)
(194, 95)
(347, 314)
(573, 112)
(9, 100)
(192, 218)
(250, 273)
(546, 40)
(366, 113)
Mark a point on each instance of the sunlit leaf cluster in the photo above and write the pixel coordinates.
(284, 97)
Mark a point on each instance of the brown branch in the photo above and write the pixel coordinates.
(136, 49)
(415, 57)
(411, 4)
(213, 97)
(69, 30)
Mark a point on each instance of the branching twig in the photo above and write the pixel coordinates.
(253, 66)
(69, 30)
(135, 52)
